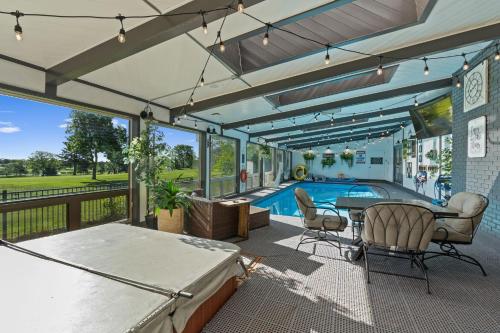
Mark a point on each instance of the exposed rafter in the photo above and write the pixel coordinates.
(341, 135)
(414, 89)
(417, 50)
(341, 121)
(144, 36)
(333, 129)
(344, 139)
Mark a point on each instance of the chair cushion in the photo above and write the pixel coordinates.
(356, 215)
(470, 205)
(332, 222)
(305, 204)
(453, 234)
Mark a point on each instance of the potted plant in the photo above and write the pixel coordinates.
(309, 155)
(348, 157)
(328, 161)
(170, 204)
(148, 155)
(265, 151)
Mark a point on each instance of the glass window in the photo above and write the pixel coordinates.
(253, 165)
(185, 157)
(223, 167)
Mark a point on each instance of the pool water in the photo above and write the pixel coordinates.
(283, 202)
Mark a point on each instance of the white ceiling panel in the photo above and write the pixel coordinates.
(164, 69)
(251, 108)
(49, 41)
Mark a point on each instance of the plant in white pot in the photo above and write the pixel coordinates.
(170, 204)
(148, 154)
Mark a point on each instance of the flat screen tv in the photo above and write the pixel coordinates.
(433, 118)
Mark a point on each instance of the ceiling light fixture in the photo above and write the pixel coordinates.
(265, 40)
(121, 33)
(17, 28)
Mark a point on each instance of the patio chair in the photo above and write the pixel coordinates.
(397, 230)
(460, 230)
(356, 215)
(318, 227)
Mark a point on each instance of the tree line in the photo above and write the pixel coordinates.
(88, 135)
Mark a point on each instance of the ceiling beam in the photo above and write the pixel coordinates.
(365, 131)
(338, 122)
(334, 129)
(374, 135)
(444, 43)
(414, 89)
(144, 36)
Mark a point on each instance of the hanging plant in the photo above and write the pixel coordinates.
(432, 155)
(309, 156)
(328, 161)
(265, 151)
(348, 157)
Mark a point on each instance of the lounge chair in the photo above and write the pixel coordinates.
(318, 227)
(462, 229)
(397, 230)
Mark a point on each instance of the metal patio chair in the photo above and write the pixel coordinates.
(460, 230)
(319, 227)
(356, 215)
(398, 230)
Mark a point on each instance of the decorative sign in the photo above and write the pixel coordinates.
(377, 160)
(477, 137)
(360, 157)
(476, 87)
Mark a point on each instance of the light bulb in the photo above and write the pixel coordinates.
(241, 6)
(191, 101)
(195, 124)
(222, 47)
(415, 102)
(327, 59)
(204, 27)
(265, 41)
(497, 55)
(185, 116)
(466, 63)
(380, 70)
(458, 84)
(202, 81)
(121, 36)
(19, 32)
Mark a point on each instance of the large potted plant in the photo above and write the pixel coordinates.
(170, 203)
(148, 154)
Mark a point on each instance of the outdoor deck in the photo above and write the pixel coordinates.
(298, 291)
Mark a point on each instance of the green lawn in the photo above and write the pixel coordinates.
(36, 183)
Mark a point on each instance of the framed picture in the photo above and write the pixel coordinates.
(360, 157)
(476, 137)
(476, 87)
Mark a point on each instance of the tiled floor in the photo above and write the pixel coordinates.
(319, 290)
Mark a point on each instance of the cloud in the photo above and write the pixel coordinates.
(6, 123)
(116, 123)
(6, 111)
(63, 125)
(9, 129)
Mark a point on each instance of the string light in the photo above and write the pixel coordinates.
(185, 115)
(195, 124)
(327, 56)
(202, 81)
(381, 114)
(466, 63)
(458, 84)
(497, 53)
(265, 40)
(191, 101)
(222, 47)
(272, 125)
(426, 68)
(178, 120)
(293, 120)
(17, 28)
(380, 69)
(248, 127)
(415, 102)
(241, 6)
(353, 119)
(121, 33)
(316, 117)
(204, 25)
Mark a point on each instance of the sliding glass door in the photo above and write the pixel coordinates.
(254, 169)
(223, 166)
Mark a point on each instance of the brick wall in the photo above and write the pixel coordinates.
(479, 175)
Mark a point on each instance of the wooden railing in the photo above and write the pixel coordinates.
(25, 219)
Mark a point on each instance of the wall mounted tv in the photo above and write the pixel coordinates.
(433, 118)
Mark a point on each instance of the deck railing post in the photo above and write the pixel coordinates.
(4, 216)
(74, 214)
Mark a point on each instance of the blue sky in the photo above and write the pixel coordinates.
(27, 126)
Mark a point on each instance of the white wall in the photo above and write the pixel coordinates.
(378, 148)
